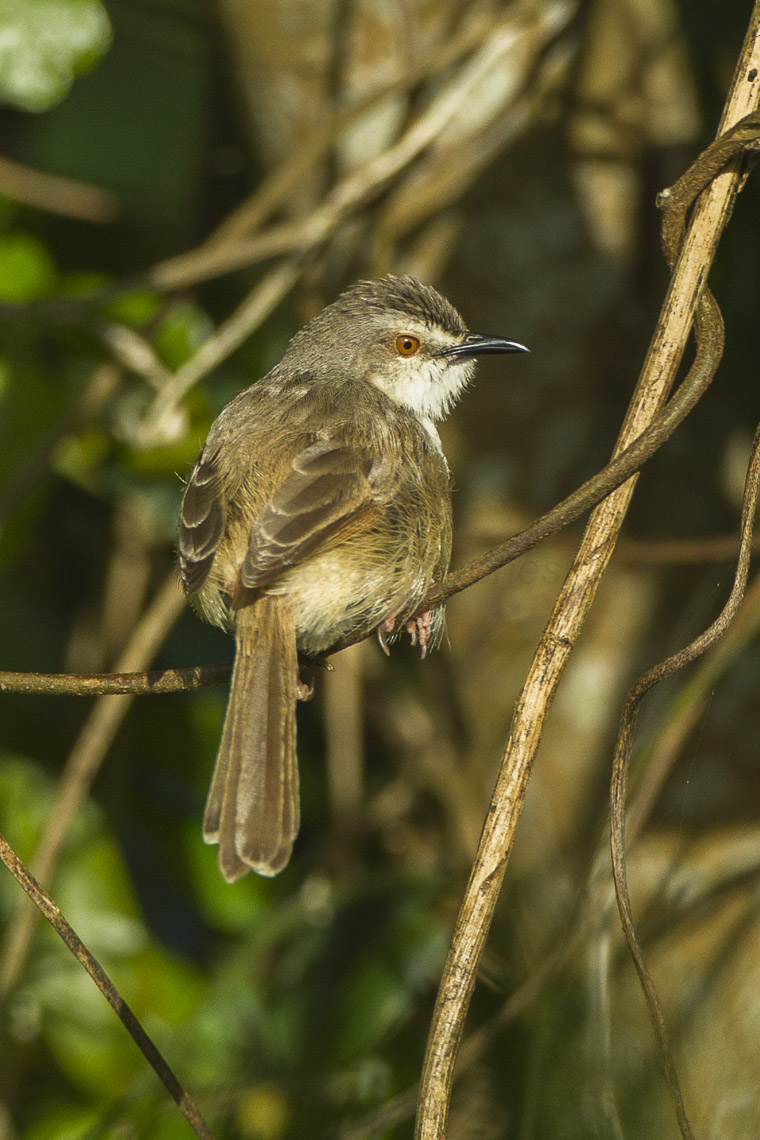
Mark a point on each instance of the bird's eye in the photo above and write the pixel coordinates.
(407, 345)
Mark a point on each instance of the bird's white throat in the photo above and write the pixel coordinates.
(428, 388)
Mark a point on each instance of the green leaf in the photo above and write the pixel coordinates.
(134, 309)
(78, 457)
(27, 270)
(68, 1123)
(44, 45)
(263, 1112)
(182, 332)
(374, 1001)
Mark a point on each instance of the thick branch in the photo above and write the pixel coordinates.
(565, 624)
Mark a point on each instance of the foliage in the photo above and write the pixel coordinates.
(44, 45)
(297, 1007)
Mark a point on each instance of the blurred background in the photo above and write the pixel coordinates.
(182, 185)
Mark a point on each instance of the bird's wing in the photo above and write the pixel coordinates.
(331, 492)
(201, 522)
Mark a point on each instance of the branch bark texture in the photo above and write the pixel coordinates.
(575, 600)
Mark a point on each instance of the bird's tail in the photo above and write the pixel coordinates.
(253, 808)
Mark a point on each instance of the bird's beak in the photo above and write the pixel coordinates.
(476, 345)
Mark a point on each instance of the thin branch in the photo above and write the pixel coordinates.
(115, 684)
(490, 48)
(82, 766)
(133, 351)
(574, 602)
(596, 899)
(56, 194)
(277, 187)
(482, 49)
(621, 765)
(401, 1107)
(588, 495)
(593, 491)
(150, 1051)
(688, 707)
(658, 552)
(249, 315)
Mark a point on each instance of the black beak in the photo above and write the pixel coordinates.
(475, 345)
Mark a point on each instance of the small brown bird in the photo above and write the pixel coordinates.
(320, 504)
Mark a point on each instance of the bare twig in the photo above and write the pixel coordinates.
(656, 552)
(492, 46)
(575, 600)
(593, 491)
(115, 684)
(598, 897)
(56, 194)
(303, 236)
(47, 907)
(618, 791)
(477, 53)
(622, 763)
(279, 185)
(401, 1107)
(133, 351)
(254, 310)
(82, 766)
(688, 708)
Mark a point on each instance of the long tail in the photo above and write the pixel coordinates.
(253, 808)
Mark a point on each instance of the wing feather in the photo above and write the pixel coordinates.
(201, 523)
(330, 492)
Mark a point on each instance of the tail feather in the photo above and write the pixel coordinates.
(252, 810)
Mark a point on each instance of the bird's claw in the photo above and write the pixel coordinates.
(383, 630)
(304, 690)
(418, 627)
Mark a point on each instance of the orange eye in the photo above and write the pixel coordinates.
(407, 345)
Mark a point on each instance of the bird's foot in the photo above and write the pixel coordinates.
(305, 678)
(383, 630)
(419, 627)
(304, 690)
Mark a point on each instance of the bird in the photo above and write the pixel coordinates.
(320, 504)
